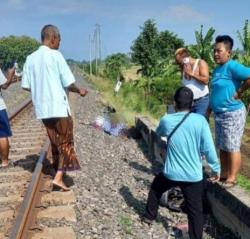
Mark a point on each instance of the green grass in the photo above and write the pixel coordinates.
(244, 182)
(129, 101)
(126, 224)
(248, 122)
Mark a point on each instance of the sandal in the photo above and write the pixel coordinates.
(229, 184)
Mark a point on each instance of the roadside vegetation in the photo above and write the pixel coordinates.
(157, 76)
(16, 48)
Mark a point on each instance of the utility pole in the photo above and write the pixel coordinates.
(98, 40)
(97, 46)
(90, 55)
(95, 49)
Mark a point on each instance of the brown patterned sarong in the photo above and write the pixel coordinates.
(60, 132)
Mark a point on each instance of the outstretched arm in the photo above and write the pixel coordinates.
(76, 89)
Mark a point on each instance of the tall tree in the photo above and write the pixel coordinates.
(144, 48)
(168, 43)
(204, 46)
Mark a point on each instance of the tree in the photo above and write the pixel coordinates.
(16, 48)
(154, 52)
(244, 56)
(244, 38)
(145, 50)
(203, 48)
(114, 65)
(168, 43)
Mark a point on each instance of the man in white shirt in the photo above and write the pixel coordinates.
(5, 130)
(49, 78)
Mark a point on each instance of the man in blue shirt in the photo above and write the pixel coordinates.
(49, 78)
(229, 80)
(183, 165)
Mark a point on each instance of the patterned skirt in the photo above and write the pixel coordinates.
(60, 132)
(229, 128)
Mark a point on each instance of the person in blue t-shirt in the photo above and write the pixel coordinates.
(229, 80)
(183, 164)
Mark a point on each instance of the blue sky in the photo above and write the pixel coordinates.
(120, 20)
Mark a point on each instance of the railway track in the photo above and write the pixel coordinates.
(26, 195)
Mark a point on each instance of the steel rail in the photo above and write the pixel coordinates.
(24, 216)
(19, 109)
(20, 226)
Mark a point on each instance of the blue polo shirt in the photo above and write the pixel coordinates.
(190, 140)
(226, 80)
(47, 75)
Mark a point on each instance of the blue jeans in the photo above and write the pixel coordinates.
(200, 105)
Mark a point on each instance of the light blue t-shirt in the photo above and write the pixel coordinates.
(226, 80)
(190, 140)
(47, 75)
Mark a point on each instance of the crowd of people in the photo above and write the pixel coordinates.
(188, 134)
(49, 79)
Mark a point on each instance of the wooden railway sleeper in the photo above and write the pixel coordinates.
(35, 228)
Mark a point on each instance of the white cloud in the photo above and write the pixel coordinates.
(185, 13)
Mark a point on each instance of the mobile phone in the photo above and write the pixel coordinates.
(185, 60)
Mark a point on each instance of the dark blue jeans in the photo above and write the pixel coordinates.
(200, 105)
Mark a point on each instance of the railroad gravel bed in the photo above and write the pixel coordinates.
(112, 186)
(13, 96)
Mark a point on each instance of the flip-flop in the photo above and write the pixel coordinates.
(229, 184)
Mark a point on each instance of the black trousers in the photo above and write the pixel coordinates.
(193, 195)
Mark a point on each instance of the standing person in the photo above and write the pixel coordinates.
(188, 136)
(49, 78)
(5, 130)
(195, 75)
(118, 85)
(229, 80)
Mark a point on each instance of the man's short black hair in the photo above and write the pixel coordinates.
(227, 40)
(183, 98)
(48, 31)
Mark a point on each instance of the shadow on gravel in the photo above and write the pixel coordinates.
(140, 167)
(156, 166)
(144, 181)
(28, 163)
(139, 206)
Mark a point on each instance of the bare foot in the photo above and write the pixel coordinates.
(5, 163)
(60, 185)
